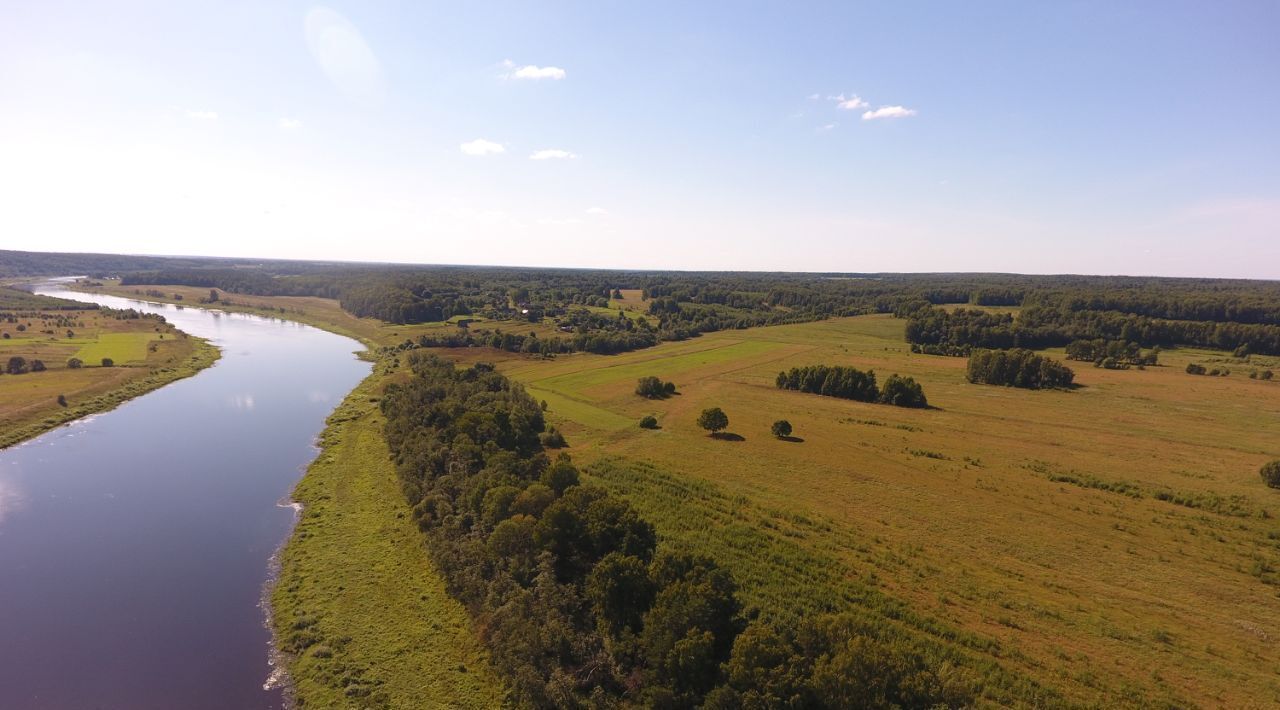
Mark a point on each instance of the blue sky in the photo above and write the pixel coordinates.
(1034, 137)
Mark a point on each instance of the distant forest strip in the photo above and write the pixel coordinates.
(579, 604)
(938, 330)
(1053, 310)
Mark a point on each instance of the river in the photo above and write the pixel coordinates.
(135, 544)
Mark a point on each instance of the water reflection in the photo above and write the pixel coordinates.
(134, 545)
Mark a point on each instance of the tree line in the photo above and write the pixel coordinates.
(578, 602)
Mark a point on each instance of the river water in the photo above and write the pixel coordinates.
(135, 545)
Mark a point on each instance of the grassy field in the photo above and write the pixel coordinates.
(148, 355)
(1113, 543)
(1110, 545)
(358, 600)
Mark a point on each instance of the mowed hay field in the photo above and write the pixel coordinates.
(1113, 544)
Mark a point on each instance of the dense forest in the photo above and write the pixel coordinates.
(576, 597)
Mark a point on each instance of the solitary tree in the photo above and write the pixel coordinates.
(781, 428)
(62, 400)
(713, 420)
(17, 365)
(213, 295)
(1271, 473)
(108, 362)
(37, 366)
(75, 363)
(648, 421)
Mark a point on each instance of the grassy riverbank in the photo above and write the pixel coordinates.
(146, 354)
(359, 605)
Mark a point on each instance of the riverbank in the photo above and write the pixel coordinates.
(358, 611)
(145, 355)
(358, 608)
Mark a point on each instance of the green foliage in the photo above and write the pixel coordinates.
(1017, 368)
(831, 381)
(1194, 368)
(1270, 473)
(781, 428)
(552, 438)
(648, 421)
(75, 363)
(17, 365)
(37, 366)
(108, 362)
(654, 388)
(713, 419)
(903, 392)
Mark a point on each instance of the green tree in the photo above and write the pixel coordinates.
(713, 420)
(648, 421)
(17, 365)
(781, 428)
(62, 400)
(108, 362)
(75, 363)
(1271, 473)
(37, 366)
(903, 392)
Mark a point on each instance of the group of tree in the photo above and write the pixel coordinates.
(1112, 354)
(1195, 368)
(1017, 368)
(654, 388)
(852, 383)
(580, 605)
(19, 365)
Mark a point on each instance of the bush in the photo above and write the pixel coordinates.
(75, 363)
(654, 388)
(1270, 473)
(17, 365)
(1266, 375)
(648, 422)
(62, 400)
(713, 420)
(1195, 369)
(108, 362)
(781, 428)
(903, 392)
(37, 366)
(552, 439)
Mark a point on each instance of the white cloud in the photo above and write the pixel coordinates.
(814, 97)
(552, 154)
(851, 103)
(290, 124)
(827, 126)
(597, 211)
(532, 71)
(203, 115)
(559, 222)
(482, 147)
(888, 112)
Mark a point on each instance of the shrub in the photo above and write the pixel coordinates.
(1270, 473)
(17, 365)
(713, 420)
(1266, 375)
(781, 428)
(552, 439)
(903, 392)
(75, 363)
(1195, 369)
(648, 422)
(37, 366)
(654, 388)
(108, 362)
(62, 400)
